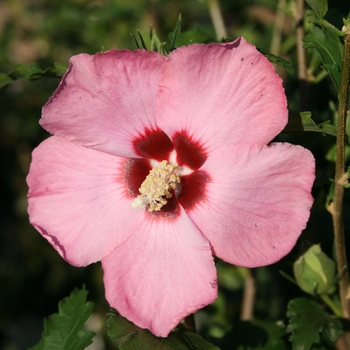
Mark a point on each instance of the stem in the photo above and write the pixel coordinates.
(331, 304)
(277, 28)
(216, 18)
(248, 297)
(302, 68)
(337, 205)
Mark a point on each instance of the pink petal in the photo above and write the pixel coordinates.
(257, 201)
(106, 100)
(78, 200)
(221, 93)
(163, 273)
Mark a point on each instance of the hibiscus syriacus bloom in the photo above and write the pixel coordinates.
(157, 164)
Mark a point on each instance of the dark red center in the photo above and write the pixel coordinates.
(155, 144)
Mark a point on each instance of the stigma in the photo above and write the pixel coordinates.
(158, 187)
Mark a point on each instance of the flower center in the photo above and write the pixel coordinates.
(157, 187)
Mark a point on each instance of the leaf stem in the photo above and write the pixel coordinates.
(337, 205)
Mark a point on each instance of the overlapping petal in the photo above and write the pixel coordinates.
(106, 100)
(257, 201)
(78, 200)
(221, 93)
(162, 273)
(214, 108)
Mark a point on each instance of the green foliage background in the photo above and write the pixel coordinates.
(33, 277)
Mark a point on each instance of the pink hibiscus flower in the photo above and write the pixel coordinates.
(158, 163)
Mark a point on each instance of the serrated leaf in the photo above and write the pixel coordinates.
(137, 338)
(65, 330)
(330, 48)
(303, 122)
(278, 60)
(307, 321)
(320, 7)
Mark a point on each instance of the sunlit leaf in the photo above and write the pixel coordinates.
(303, 122)
(132, 337)
(329, 47)
(307, 321)
(278, 60)
(65, 330)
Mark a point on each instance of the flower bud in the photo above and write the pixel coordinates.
(314, 271)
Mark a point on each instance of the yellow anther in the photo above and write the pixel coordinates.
(157, 187)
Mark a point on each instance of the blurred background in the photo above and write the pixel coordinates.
(33, 277)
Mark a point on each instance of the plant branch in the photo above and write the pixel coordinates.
(337, 205)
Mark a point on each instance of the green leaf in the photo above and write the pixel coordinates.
(329, 47)
(307, 321)
(5, 80)
(57, 71)
(132, 337)
(156, 44)
(142, 41)
(65, 330)
(32, 72)
(278, 60)
(320, 7)
(193, 36)
(177, 30)
(254, 335)
(303, 122)
(136, 41)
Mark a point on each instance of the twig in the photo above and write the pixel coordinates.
(216, 18)
(247, 309)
